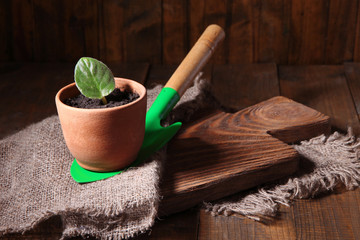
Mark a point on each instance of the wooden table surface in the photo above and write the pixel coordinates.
(27, 93)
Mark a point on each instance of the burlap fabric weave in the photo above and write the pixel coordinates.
(35, 184)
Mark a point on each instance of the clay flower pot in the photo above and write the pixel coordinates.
(106, 139)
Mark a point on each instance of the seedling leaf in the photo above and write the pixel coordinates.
(93, 78)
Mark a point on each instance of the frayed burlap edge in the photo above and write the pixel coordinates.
(69, 217)
(335, 161)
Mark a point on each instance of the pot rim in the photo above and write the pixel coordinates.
(71, 85)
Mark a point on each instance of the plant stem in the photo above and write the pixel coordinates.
(103, 99)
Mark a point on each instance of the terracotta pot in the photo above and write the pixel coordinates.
(105, 139)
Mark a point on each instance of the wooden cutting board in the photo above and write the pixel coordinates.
(224, 153)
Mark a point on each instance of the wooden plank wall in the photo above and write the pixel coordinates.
(162, 31)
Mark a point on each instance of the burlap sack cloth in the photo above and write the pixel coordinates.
(35, 183)
(327, 162)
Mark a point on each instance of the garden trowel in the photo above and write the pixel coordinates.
(157, 136)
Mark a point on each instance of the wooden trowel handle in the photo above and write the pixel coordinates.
(196, 59)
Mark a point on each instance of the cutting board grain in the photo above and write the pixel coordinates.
(224, 153)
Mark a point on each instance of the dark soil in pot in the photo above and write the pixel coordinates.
(114, 99)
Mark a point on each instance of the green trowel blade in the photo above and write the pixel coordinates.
(155, 137)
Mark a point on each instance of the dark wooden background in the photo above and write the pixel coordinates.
(162, 31)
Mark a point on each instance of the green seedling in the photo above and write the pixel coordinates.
(94, 79)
